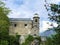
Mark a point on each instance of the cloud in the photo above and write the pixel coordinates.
(27, 8)
(46, 25)
(53, 1)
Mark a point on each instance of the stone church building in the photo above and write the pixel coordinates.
(24, 26)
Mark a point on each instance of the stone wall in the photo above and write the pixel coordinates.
(20, 27)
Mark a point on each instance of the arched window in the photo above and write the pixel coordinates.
(35, 20)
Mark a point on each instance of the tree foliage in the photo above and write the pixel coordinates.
(48, 41)
(55, 16)
(5, 38)
(30, 39)
(4, 20)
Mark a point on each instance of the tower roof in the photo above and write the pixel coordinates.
(36, 15)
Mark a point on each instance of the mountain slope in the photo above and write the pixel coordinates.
(48, 33)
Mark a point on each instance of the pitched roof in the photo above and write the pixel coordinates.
(20, 19)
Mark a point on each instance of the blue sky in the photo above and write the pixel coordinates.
(27, 8)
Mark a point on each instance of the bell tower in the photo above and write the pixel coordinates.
(36, 25)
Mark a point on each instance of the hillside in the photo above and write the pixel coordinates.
(48, 33)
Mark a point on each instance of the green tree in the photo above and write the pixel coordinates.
(4, 20)
(4, 23)
(3, 42)
(14, 40)
(30, 39)
(48, 41)
(38, 38)
(5, 38)
(55, 16)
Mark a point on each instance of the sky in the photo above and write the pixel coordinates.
(27, 9)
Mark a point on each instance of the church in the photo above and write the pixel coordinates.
(25, 26)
